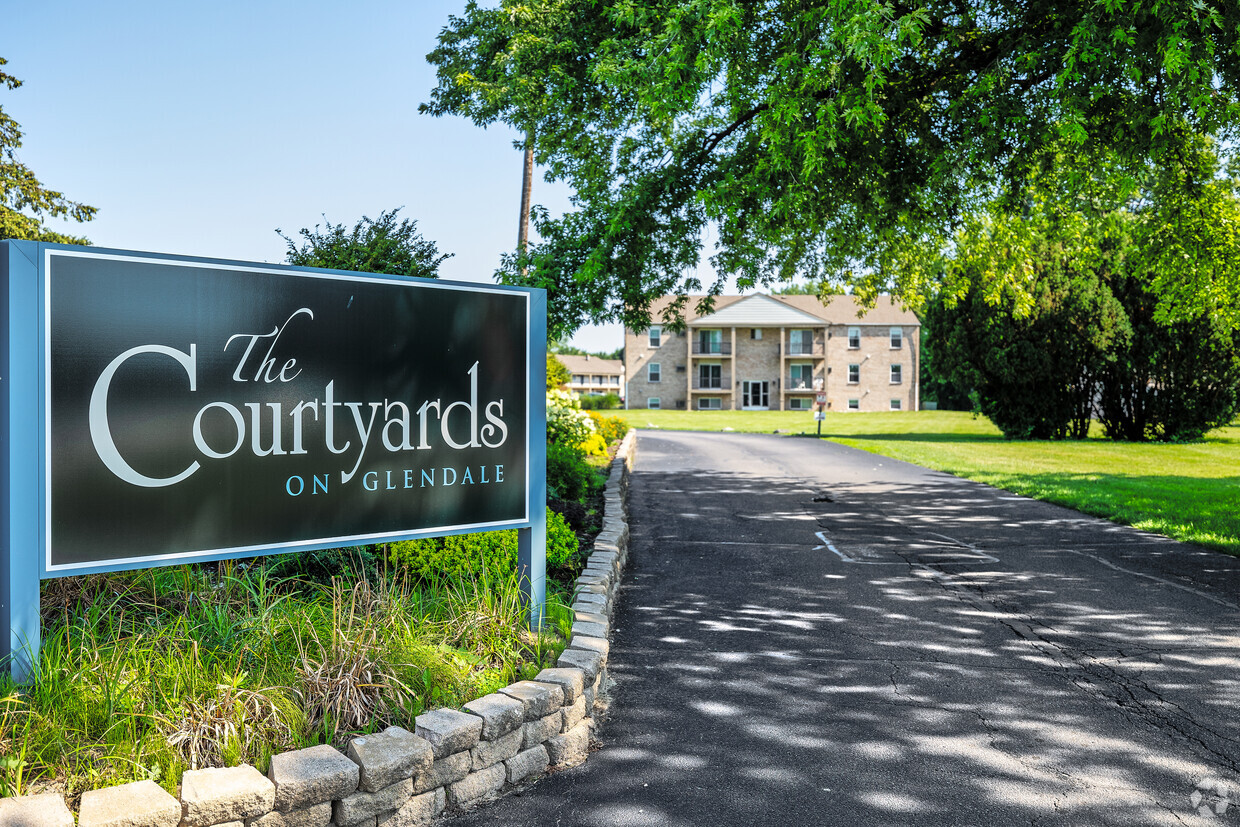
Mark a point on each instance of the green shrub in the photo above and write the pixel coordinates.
(459, 557)
(322, 565)
(465, 557)
(600, 402)
(569, 476)
(579, 518)
(561, 542)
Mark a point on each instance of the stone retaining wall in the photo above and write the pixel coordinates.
(397, 778)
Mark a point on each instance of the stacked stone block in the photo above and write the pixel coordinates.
(117, 806)
(397, 778)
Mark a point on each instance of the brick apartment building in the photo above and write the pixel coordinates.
(764, 352)
(592, 375)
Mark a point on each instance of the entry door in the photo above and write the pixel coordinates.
(755, 396)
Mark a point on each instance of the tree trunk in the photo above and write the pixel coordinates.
(527, 183)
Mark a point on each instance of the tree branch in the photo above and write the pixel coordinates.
(714, 139)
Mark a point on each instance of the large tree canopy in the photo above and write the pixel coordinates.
(821, 139)
(24, 202)
(1073, 307)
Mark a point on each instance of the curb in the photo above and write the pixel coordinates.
(453, 760)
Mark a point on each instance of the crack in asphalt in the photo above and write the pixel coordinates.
(1118, 688)
(1079, 655)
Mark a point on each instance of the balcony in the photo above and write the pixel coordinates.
(701, 348)
(817, 348)
(712, 383)
(797, 384)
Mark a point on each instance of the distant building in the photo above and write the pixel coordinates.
(764, 352)
(592, 375)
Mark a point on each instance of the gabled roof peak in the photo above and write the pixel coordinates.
(758, 310)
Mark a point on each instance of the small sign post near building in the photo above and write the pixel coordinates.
(158, 410)
(821, 399)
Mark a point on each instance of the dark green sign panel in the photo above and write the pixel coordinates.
(198, 410)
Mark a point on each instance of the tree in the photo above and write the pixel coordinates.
(557, 373)
(803, 289)
(1076, 306)
(1035, 373)
(828, 141)
(937, 383)
(1189, 235)
(24, 202)
(1178, 375)
(573, 350)
(1168, 382)
(372, 246)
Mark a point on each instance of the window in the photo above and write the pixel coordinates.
(656, 335)
(652, 402)
(653, 372)
(895, 404)
(710, 403)
(800, 403)
(578, 379)
(800, 342)
(854, 338)
(854, 374)
(615, 381)
(710, 376)
(710, 341)
(897, 338)
(755, 333)
(802, 377)
(598, 380)
(895, 374)
(854, 404)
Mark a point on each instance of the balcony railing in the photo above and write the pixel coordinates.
(796, 384)
(712, 383)
(701, 348)
(817, 348)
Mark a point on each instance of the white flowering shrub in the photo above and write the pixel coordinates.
(567, 423)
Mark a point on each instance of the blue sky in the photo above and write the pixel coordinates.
(201, 128)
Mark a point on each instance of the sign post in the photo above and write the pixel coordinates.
(159, 410)
(820, 414)
(532, 541)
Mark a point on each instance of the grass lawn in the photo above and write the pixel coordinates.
(1188, 491)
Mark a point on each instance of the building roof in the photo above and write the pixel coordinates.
(758, 310)
(841, 310)
(591, 364)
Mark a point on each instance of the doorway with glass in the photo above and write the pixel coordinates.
(755, 396)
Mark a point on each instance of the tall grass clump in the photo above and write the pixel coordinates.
(144, 675)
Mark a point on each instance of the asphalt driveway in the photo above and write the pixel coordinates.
(811, 634)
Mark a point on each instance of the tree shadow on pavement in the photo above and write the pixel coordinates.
(839, 662)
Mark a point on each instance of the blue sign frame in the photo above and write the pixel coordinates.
(25, 443)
